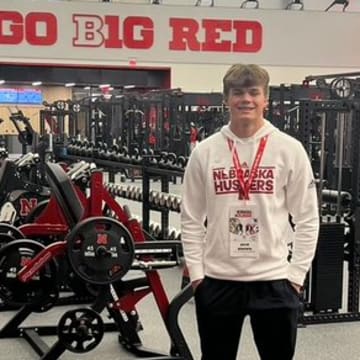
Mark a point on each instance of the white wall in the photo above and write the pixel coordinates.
(209, 77)
(264, 4)
(205, 77)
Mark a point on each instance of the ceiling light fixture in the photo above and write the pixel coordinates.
(199, 3)
(250, 4)
(344, 3)
(295, 5)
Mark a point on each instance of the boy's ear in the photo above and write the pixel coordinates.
(225, 101)
(266, 106)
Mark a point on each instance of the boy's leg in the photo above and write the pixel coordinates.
(219, 317)
(274, 322)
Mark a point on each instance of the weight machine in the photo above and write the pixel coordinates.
(100, 239)
(58, 120)
(329, 131)
(26, 133)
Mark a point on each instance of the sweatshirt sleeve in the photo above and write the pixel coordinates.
(193, 213)
(301, 197)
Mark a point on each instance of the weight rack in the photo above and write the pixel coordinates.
(148, 172)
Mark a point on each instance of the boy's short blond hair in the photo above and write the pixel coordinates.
(245, 75)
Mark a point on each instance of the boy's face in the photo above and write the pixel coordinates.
(246, 104)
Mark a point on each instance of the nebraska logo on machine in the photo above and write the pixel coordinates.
(26, 205)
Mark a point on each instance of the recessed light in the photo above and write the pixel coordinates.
(36, 83)
(69, 84)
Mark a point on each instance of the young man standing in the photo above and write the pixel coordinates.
(245, 181)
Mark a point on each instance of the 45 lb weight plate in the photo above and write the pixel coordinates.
(100, 250)
(41, 291)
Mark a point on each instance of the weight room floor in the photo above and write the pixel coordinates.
(315, 342)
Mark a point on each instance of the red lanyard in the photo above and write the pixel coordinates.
(246, 185)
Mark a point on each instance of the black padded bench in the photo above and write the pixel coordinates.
(65, 193)
(7, 167)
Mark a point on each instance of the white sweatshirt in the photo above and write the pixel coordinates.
(284, 185)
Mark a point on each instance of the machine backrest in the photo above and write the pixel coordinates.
(5, 169)
(65, 193)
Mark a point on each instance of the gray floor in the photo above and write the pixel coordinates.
(318, 342)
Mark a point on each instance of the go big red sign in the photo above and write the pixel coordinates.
(131, 32)
(116, 33)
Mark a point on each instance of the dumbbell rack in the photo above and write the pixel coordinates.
(165, 176)
(149, 172)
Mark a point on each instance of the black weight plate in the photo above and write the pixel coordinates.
(37, 292)
(5, 239)
(100, 250)
(342, 88)
(11, 230)
(80, 330)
